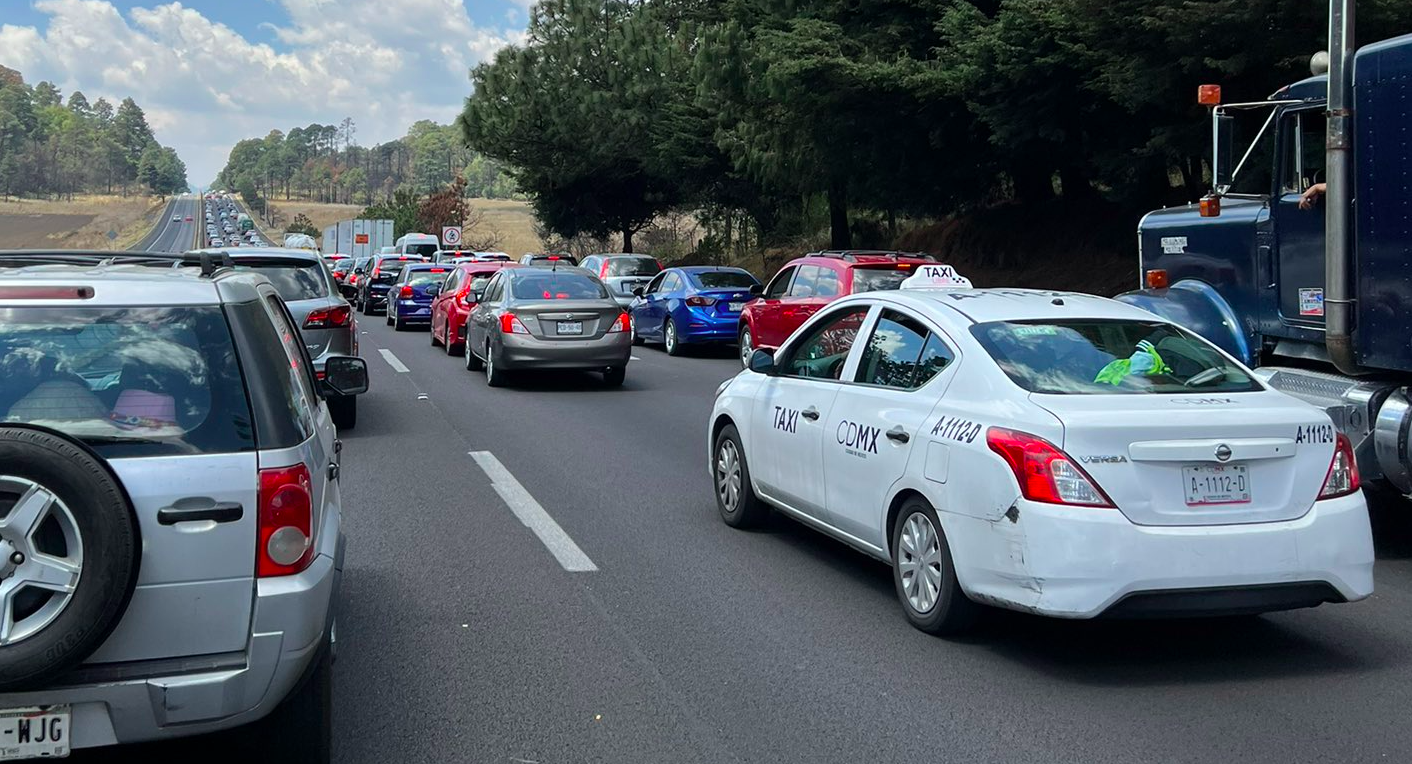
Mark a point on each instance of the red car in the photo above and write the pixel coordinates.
(806, 284)
(453, 304)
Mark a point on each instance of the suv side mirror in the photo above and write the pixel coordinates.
(345, 375)
(757, 289)
(763, 362)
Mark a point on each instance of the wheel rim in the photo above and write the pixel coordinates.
(671, 338)
(919, 562)
(728, 475)
(746, 347)
(39, 566)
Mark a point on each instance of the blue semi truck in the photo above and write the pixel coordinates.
(1314, 289)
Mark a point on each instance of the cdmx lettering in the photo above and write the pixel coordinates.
(860, 436)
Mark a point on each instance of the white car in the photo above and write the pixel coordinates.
(1050, 452)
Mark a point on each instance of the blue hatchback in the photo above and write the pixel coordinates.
(409, 298)
(692, 305)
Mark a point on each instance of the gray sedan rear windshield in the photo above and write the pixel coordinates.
(1092, 356)
(294, 280)
(551, 285)
(126, 381)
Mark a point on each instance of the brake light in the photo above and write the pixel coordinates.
(698, 301)
(1342, 478)
(328, 318)
(623, 324)
(406, 292)
(510, 324)
(603, 271)
(1044, 472)
(286, 521)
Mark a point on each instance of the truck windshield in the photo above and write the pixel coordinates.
(1096, 356)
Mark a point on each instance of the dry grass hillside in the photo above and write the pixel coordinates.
(513, 219)
(80, 224)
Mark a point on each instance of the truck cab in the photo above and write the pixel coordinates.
(1246, 266)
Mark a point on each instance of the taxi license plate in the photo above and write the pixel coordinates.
(30, 733)
(570, 327)
(736, 307)
(1216, 484)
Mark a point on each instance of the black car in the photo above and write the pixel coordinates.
(376, 278)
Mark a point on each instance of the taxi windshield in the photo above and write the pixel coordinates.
(1096, 356)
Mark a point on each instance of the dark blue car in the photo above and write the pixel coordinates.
(692, 305)
(409, 298)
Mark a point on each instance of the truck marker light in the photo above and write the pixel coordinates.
(1210, 206)
(1208, 95)
(1157, 279)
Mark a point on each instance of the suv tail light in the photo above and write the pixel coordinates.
(405, 293)
(1342, 478)
(510, 324)
(623, 324)
(328, 318)
(1044, 472)
(699, 301)
(286, 521)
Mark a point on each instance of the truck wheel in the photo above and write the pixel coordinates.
(343, 410)
(69, 555)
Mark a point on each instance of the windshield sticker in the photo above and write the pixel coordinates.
(1311, 301)
(1315, 433)
(1036, 331)
(858, 439)
(786, 419)
(1173, 245)
(957, 429)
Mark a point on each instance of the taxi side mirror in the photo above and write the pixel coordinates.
(763, 362)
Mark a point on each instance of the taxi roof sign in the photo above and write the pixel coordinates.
(936, 277)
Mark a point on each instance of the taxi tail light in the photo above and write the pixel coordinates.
(1342, 478)
(328, 318)
(405, 293)
(698, 301)
(286, 521)
(511, 324)
(1044, 472)
(623, 324)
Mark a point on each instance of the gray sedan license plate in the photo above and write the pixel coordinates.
(1216, 484)
(31, 733)
(570, 327)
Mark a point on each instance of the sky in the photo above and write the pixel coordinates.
(211, 72)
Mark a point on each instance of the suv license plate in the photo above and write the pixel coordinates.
(570, 327)
(1216, 484)
(30, 733)
(736, 307)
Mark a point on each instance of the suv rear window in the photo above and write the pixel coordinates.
(632, 266)
(427, 251)
(128, 382)
(1105, 357)
(293, 279)
(878, 279)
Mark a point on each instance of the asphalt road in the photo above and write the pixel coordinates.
(464, 639)
(174, 236)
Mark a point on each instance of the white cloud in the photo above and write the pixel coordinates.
(385, 63)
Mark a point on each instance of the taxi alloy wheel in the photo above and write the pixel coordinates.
(925, 575)
(747, 346)
(735, 498)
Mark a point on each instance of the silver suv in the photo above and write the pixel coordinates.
(170, 512)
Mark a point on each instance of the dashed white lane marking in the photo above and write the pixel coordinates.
(533, 515)
(393, 361)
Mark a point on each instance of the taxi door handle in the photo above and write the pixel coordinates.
(811, 413)
(898, 435)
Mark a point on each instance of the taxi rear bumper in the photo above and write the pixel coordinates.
(1074, 562)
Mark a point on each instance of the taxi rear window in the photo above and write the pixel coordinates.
(1096, 357)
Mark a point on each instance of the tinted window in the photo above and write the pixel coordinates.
(129, 382)
(893, 352)
(551, 285)
(804, 281)
(1094, 356)
(420, 250)
(672, 283)
(293, 281)
(822, 353)
(935, 357)
(362, 264)
(826, 285)
(300, 375)
(877, 279)
(343, 266)
(632, 266)
(274, 393)
(724, 280)
(780, 283)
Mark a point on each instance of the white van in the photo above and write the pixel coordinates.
(421, 245)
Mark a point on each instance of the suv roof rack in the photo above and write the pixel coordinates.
(210, 262)
(852, 255)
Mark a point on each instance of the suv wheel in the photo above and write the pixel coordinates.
(343, 409)
(69, 548)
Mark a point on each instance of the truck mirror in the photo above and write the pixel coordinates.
(1224, 152)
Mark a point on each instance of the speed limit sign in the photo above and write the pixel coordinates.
(451, 235)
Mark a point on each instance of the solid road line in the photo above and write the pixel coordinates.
(393, 361)
(533, 515)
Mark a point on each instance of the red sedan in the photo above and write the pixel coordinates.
(453, 304)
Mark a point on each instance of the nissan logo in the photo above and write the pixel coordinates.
(1223, 453)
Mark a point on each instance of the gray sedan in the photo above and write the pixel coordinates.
(547, 318)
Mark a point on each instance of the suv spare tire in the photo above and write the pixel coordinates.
(69, 554)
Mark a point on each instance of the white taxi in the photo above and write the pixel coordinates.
(1050, 452)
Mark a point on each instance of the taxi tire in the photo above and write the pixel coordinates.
(108, 529)
(750, 510)
(953, 612)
